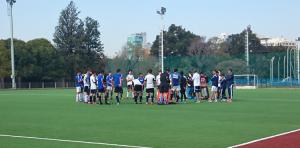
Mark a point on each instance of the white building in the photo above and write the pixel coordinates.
(279, 41)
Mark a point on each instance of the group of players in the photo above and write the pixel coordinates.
(172, 87)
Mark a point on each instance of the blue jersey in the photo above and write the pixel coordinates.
(215, 80)
(78, 80)
(141, 79)
(109, 80)
(117, 79)
(175, 77)
(230, 79)
(100, 81)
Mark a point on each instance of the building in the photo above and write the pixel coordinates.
(138, 40)
(274, 42)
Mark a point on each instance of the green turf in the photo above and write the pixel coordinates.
(54, 114)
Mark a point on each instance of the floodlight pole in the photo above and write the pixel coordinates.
(162, 13)
(284, 66)
(12, 54)
(278, 69)
(298, 60)
(247, 51)
(287, 63)
(271, 69)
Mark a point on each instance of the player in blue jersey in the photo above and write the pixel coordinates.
(230, 83)
(175, 82)
(214, 87)
(101, 87)
(79, 86)
(109, 87)
(117, 84)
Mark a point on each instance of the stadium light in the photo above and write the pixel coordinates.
(247, 50)
(298, 60)
(271, 69)
(162, 12)
(10, 3)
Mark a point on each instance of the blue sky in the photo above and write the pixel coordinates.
(120, 18)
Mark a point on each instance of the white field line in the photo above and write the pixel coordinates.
(266, 138)
(73, 141)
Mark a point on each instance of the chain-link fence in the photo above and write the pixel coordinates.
(33, 85)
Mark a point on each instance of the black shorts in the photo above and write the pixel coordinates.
(138, 88)
(182, 89)
(129, 87)
(118, 89)
(164, 88)
(197, 89)
(150, 90)
(101, 90)
(93, 91)
(86, 89)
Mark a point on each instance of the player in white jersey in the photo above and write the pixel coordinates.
(150, 79)
(138, 90)
(129, 79)
(86, 84)
(93, 88)
(197, 88)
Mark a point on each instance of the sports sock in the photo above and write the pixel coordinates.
(147, 98)
(117, 98)
(135, 99)
(177, 98)
(152, 99)
(141, 98)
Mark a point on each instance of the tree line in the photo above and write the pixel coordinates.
(77, 46)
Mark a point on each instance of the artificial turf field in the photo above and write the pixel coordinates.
(55, 114)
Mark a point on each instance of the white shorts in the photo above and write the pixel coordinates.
(176, 88)
(78, 89)
(214, 88)
(109, 88)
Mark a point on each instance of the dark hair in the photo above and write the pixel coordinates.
(130, 70)
(150, 70)
(181, 73)
(230, 69)
(168, 69)
(118, 70)
(140, 73)
(102, 71)
(175, 70)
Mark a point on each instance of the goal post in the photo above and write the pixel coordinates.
(246, 81)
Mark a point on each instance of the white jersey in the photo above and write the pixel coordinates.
(136, 82)
(196, 79)
(150, 78)
(158, 80)
(93, 82)
(86, 81)
(129, 79)
(219, 82)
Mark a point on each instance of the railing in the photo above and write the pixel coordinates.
(33, 85)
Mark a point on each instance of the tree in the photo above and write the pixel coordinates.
(93, 47)
(236, 44)
(46, 62)
(69, 36)
(78, 42)
(5, 69)
(177, 40)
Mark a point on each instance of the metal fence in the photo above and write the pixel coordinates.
(261, 83)
(33, 85)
